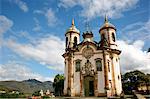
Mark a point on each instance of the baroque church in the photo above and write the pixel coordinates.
(92, 68)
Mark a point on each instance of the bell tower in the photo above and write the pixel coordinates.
(111, 58)
(72, 36)
(108, 34)
(72, 40)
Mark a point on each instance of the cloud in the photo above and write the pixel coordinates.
(16, 71)
(37, 25)
(38, 12)
(47, 51)
(22, 5)
(138, 30)
(95, 8)
(133, 57)
(5, 24)
(49, 15)
(20, 35)
(134, 37)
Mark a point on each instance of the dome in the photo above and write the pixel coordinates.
(73, 28)
(107, 25)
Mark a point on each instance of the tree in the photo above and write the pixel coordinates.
(58, 84)
(131, 80)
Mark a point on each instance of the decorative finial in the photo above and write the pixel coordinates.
(106, 19)
(73, 22)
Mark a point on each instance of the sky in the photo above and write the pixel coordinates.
(32, 34)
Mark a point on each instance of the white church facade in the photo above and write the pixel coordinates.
(92, 68)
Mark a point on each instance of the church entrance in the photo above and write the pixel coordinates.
(89, 86)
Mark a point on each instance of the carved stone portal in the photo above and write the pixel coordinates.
(88, 69)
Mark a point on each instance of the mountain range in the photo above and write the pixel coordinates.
(26, 86)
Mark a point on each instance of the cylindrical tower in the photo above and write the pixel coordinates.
(108, 33)
(72, 36)
(111, 58)
(72, 39)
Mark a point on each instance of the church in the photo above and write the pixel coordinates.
(92, 67)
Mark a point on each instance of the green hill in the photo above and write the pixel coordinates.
(26, 86)
(3, 88)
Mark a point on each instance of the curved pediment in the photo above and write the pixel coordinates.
(87, 44)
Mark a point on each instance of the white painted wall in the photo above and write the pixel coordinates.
(77, 82)
(101, 82)
(75, 85)
(98, 54)
(66, 77)
(118, 83)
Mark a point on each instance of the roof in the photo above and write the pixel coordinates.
(73, 28)
(107, 24)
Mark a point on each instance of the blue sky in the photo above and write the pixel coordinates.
(32, 33)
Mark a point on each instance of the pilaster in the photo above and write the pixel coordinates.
(105, 70)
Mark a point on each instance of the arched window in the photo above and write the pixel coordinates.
(99, 64)
(113, 37)
(102, 36)
(116, 60)
(66, 41)
(78, 62)
(118, 77)
(75, 41)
